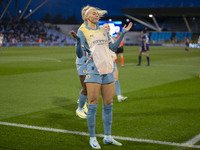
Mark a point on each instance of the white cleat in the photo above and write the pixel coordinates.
(110, 140)
(85, 108)
(94, 143)
(121, 98)
(81, 114)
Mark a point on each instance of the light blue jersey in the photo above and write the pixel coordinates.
(82, 43)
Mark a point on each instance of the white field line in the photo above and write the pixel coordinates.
(100, 135)
(193, 140)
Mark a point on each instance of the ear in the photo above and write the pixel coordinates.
(86, 17)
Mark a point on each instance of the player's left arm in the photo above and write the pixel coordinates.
(115, 45)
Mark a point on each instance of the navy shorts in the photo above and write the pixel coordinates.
(142, 49)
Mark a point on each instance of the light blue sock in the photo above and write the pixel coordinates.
(107, 118)
(117, 88)
(82, 100)
(91, 119)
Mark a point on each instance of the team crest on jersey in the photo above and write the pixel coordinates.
(88, 76)
(84, 71)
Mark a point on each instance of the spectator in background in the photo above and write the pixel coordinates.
(120, 50)
(40, 40)
(187, 44)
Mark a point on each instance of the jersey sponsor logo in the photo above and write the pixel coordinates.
(100, 41)
(84, 71)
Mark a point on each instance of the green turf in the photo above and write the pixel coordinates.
(40, 86)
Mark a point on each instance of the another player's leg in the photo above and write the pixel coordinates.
(81, 111)
(117, 87)
(139, 58)
(187, 49)
(148, 59)
(122, 59)
(108, 91)
(116, 58)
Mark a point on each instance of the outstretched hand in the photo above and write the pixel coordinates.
(73, 34)
(128, 27)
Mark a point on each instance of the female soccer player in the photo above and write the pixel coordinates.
(114, 57)
(81, 111)
(99, 75)
(187, 44)
(144, 48)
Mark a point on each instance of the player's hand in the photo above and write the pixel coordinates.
(73, 34)
(128, 27)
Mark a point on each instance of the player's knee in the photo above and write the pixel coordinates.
(93, 101)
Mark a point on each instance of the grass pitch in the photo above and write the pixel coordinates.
(39, 86)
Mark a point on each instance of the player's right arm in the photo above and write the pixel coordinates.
(80, 39)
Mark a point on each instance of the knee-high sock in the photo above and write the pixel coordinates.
(122, 61)
(107, 118)
(140, 58)
(117, 88)
(82, 100)
(148, 60)
(91, 119)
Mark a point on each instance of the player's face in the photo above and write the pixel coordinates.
(93, 16)
(107, 27)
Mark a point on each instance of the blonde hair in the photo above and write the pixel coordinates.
(87, 8)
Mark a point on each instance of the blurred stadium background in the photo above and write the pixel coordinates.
(168, 22)
(39, 84)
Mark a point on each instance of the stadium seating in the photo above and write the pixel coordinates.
(160, 36)
(30, 32)
(180, 36)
